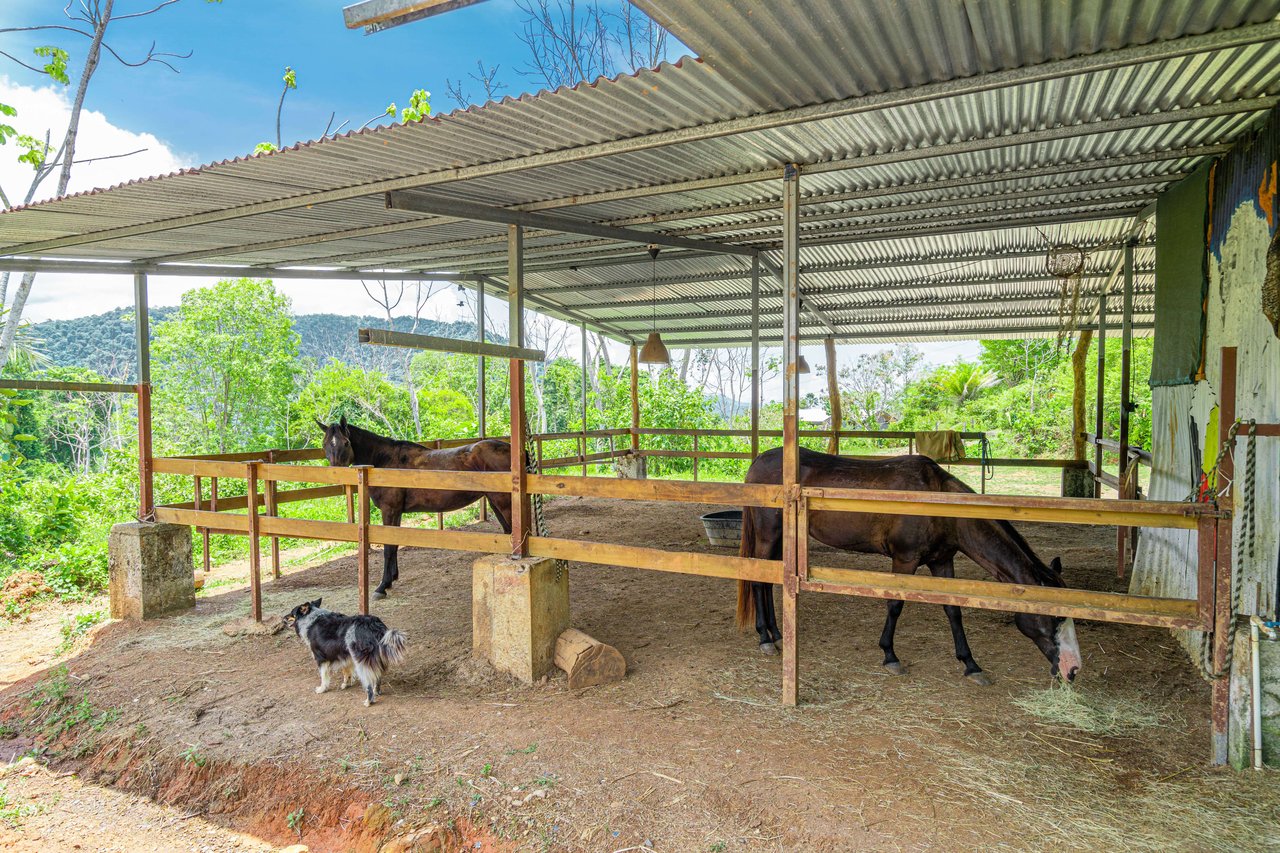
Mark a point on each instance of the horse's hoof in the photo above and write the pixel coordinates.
(379, 595)
(770, 648)
(979, 678)
(895, 668)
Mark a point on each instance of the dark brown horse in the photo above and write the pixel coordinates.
(345, 445)
(910, 541)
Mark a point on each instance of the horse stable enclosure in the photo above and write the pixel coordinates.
(800, 181)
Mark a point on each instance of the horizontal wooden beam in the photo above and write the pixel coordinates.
(447, 540)
(436, 206)
(384, 338)
(733, 494)
(81, 387)
(1124, 513)
(991, 595)
(680, 562)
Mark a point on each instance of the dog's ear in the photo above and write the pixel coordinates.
(315, 603)
(304, 608)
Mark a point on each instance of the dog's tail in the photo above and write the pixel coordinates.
(392, 646)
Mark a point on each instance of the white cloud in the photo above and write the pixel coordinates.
(47, 109)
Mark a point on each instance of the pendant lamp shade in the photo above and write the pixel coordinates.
(654, 351)
(802, 366)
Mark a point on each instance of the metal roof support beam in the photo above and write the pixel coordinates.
(55, 265)
(560, 311)
(675, 216)
(488, 213)
(884, 321)
(1056, 69)
(958, 334)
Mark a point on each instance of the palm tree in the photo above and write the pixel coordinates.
(965, 381)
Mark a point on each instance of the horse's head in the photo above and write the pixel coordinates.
(1054, 635)
(337, 443)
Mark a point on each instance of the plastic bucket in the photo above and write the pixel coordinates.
(724, 528)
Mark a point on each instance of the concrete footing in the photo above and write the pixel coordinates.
(630, 466)
(519, 607)
(1077, 482)
(151, 571)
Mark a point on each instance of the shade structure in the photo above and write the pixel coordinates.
(654, 351)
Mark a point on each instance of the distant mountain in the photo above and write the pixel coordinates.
(104, 342)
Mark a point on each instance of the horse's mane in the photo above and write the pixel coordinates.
(1042, 572)
(370, 436)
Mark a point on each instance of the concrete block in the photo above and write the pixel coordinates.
(519, 607)
(1077, 483)
(1241, 721)
(151, 570)
(630, 466)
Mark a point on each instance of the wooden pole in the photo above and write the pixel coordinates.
(1126, 404)
(482, 402)
(1100, 396)
(521, 509)
(1220, 712)
(583, 445)
(635, 401)
(791, 567)
(142, 333)
(362, 537)
(833, 394)
(255, 551)
(755, 357)
(1079, 359)
(269, 488)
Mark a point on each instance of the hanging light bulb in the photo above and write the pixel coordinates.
(654, 350)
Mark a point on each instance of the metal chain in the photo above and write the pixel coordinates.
(535, 500)
(1207, 670)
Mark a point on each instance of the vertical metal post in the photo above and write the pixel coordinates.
(521, 510)
(1100, 401)
(1220, 712)
(482, 401)
(1126, 368)
(146, 479)
(790, 428)
(255, 552)
(362, 537)
(755, 357)
(584, 400)
(635, 400)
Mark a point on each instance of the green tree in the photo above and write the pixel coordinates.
(226, 367)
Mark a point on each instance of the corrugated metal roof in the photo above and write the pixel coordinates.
(932, 187)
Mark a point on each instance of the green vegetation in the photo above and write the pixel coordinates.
(236, 370)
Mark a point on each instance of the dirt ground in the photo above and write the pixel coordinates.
(692, 752)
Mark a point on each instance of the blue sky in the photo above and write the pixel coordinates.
(224, 100)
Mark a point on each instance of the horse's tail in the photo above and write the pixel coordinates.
(747, 601)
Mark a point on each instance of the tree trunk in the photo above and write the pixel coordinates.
(14, 317)
(833, 393)
(1079, 359)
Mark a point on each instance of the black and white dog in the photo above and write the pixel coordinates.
(346, 643)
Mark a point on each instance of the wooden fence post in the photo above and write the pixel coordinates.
(255, 552)
(790, 430)
(362, 537)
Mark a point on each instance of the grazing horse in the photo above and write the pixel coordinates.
(910, 541)
(345, 444)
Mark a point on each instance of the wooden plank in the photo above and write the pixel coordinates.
(309, 474)
(384, 338)
(1066, 510)
(445, 540)
(205, 468)
(362, 536)
(733, 494)
(635, 557)
(217, 522)
(78, 387)
(303, 528)
(991, 595)
(291, 496)
(255, 542)
(459, 481)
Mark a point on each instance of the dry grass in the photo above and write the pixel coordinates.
(1092, 712)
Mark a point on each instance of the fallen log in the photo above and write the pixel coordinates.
(588, 661)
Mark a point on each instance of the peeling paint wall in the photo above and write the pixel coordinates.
(1184, 417)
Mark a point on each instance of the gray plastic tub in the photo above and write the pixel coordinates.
(724, 528)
